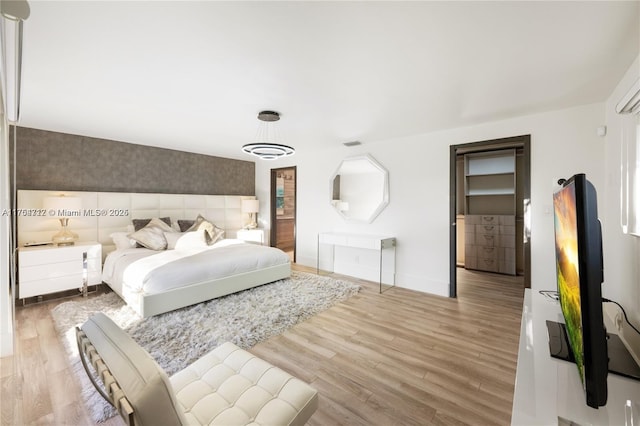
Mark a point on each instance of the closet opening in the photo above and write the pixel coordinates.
(490, 187)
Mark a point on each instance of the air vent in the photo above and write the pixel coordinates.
(354, 143)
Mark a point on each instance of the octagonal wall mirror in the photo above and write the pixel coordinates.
(360, 189)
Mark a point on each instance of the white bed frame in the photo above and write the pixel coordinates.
(106, 212)
(154, 304)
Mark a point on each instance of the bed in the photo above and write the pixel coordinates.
(153, 282)
(161, 265)
(118, 211)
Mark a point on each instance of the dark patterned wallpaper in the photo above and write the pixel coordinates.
(59, 161)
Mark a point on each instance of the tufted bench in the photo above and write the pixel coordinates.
(227, 386)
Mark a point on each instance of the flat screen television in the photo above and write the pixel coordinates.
(579, 271)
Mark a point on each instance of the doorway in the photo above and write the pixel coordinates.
(283, 210)
(522, 148)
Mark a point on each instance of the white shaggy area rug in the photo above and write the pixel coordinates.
(176, 339)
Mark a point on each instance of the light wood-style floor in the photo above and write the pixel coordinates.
(400, 358)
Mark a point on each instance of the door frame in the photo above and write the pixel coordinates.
(522, 141)
(273, 233)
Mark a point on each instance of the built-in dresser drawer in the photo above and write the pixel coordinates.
(490, 243)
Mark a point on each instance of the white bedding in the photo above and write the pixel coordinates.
(138, 271)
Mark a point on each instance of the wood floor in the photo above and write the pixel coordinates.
(400, 358)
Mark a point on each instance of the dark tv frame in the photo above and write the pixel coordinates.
(590, 271)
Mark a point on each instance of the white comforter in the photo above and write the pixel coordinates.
(144, 271)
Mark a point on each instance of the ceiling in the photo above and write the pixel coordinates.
(192, 76)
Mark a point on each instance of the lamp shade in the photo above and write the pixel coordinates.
(250, 206)
(62, 206)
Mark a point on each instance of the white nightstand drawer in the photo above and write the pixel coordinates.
(50, 269)
(37, 288)
(62, 269)
(251, 235)
(46, 272)
(47, 255)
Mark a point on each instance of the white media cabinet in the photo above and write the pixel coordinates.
(548, 391)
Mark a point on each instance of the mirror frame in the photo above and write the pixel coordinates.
(385, 190)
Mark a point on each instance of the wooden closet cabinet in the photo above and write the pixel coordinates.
(490, 211)
(490, 243)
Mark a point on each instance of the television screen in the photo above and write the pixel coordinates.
(578, 241)
(568, 270)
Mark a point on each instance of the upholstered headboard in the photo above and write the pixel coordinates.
(103, 213)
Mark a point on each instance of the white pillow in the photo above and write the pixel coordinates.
(185, 240)
(172, 238)
(122, 240)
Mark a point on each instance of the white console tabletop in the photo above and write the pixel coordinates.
(385, 247)
(547, 389)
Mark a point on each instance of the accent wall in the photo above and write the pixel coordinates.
(60, 161)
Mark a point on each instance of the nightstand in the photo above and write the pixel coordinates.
(252, 235)
(49, 269)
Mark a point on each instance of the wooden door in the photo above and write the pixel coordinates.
(283, 210)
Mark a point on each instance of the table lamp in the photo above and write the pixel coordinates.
(63, 207)
(251, 207)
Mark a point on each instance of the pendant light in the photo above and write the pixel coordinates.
(267, 145)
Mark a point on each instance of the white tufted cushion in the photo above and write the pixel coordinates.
(230, 386)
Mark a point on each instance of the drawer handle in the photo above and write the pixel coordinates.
(488, 261)
(489, 227)
(488, 237)
(489, 249)
(488, 218)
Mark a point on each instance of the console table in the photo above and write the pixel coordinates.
(548, 391)
(384, 245)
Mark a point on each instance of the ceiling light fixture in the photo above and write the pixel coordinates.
(267, 145)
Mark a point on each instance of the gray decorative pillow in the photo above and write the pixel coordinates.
(138, 224)
(212, 232)
(152, 235)
(185, 224)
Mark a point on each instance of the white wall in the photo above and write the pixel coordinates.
(622, 252)
(562, 143)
